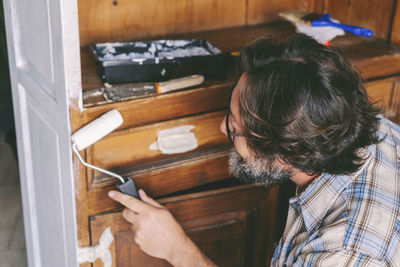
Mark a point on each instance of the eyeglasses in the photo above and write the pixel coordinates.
(230, 134)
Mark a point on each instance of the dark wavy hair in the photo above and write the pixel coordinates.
(306, 105)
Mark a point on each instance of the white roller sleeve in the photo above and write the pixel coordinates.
(97, 129)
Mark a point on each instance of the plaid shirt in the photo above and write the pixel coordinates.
(348, 220)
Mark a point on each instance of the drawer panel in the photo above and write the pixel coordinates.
(129, 149)
(233, 226)
(212, 95)
(202, 169)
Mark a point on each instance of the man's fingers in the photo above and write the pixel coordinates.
(129, 215)
(129, 202)
(149, 200)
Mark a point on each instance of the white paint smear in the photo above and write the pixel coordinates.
(101, 250)
(175, 140)
(157, 50)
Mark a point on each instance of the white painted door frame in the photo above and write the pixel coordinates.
(43, 47)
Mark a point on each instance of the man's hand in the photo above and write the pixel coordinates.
(157, 232)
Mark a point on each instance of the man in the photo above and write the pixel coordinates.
(300, 112)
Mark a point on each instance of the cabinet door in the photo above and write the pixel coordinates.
(43, 52)
(233, 226)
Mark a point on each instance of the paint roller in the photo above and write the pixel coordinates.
(93, 132)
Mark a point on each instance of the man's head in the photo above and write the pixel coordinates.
(300, 105)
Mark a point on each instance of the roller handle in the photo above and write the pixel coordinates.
(180, 83)
(129, 188)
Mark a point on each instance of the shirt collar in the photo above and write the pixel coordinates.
(320, 195)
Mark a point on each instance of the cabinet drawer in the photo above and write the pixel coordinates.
(176, 177)
(233, 226)
(212, 95)
(128, 151)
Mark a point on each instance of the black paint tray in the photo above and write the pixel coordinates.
(158, 60)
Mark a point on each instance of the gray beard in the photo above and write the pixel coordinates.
(256, 172)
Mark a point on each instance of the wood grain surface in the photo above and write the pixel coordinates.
(233, 226)
(130, 147)
(169, 179)
(122, 20)
(395, 38)
(372, 14)
(262, 11)
(385, 94)
(222, 220)
(209, 97)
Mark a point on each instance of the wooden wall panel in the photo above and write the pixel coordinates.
(395, 38)
(123, 20)
(262, 11)
(373, 14)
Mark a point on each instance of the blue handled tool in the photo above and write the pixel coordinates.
(325, 20)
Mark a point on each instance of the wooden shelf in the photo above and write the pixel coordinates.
(374, 57)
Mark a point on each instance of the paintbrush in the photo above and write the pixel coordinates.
(134, 90)
(317, 20)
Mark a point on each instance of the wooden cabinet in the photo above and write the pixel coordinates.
(56, 91)
(233, 224)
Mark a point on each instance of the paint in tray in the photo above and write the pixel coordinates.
(159, 60)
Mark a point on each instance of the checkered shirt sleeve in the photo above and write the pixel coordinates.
(348, 220)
